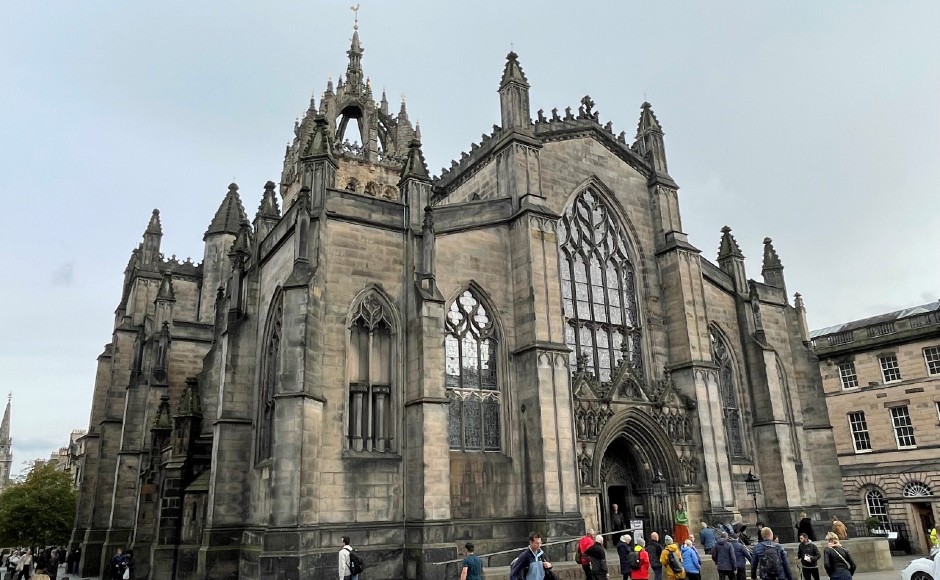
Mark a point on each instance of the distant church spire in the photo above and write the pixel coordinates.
(6, 446)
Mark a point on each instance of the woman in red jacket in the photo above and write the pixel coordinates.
(643, 573)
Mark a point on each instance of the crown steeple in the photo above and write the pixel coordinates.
(354, 69)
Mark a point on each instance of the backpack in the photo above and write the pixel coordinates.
(633, 560)
(675, 564)
(355, 564)
(770, 564)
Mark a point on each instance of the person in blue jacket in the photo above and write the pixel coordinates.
(709, 538)
(531, 563)
(691, 562)
(742, 557)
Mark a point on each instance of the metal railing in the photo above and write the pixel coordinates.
(487, 557)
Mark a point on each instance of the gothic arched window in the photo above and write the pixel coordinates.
(728, 389)
(471, 377)
(371, 371)
(270, 367)
(877, 507)
(598, 288)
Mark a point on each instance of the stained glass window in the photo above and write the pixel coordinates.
(728, 390)
(370, 371)
(598, 288)
(269, 374)
(471, 376)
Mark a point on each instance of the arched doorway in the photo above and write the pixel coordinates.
(639, 472)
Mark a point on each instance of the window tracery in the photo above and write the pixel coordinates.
(269, 375)
(471, 376)
(598, 287)
(370, 370)
(728, 389)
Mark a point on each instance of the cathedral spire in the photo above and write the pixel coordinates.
(649, 140)
(514, 96)
(415, 166)
(230, 215)
(6, 443)
(268, 207)
(729, 246)
(5, 425)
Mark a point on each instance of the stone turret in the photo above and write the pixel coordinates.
(731, 260)
(649, 140)
(218, 239)
(166, 298)
(150, 249)
(514, 97)
(268, 212)
(772, 269)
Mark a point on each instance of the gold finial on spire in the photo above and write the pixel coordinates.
(355, 9)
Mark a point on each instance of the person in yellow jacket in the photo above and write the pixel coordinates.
(934, 542)
(671, 559)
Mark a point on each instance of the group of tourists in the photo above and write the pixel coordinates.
(35, 563)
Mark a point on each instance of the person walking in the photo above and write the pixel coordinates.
(345, 561)
(643, 572)
(24, 565)
(838, 528)
(723, 557)
(471, 567)
(837, 560)
(708, 537)
(629, 559)
(655, 551)
(583, 544)
(671, 560)
(598, 557)
(691, 561)
(808, 555)
(805, 526)
(531, 563)
(742, 557)
(770, 559)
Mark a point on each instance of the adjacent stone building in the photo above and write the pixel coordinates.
(415, 361)
(882, 381)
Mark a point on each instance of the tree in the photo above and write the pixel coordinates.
(39, 510)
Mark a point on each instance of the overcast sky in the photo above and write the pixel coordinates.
(814, 123)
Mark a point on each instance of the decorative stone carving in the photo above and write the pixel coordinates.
(590, 418)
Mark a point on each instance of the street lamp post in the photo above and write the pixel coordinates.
(659, 491)
(753, 488)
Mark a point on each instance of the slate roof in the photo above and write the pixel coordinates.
(881, 318)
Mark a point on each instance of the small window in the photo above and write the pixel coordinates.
(903, 428)
(890, 369)
(859, 427)
(848, 375)
(932, 358)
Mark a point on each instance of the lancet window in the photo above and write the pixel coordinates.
(372, 335)
(598, 287)
(728, 389)
(472, 379)
(270, 368)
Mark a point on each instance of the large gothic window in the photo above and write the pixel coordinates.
(728, 387)
(598, 288)
(269, 372)
(371, 374)
(471, 376)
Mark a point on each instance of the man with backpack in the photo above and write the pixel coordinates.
(770, 559)
(629, 557)
(531, 563)
(671, 560)
(350, 564)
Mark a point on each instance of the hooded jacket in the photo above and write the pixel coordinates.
(723, 555)
(672, 548)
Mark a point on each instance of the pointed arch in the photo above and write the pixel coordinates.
(639, 426)
(730, 386)
(473, 351)
(601, 274)
(373, 336)
(269, 376)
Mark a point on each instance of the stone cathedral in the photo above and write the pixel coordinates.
(416, 361)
